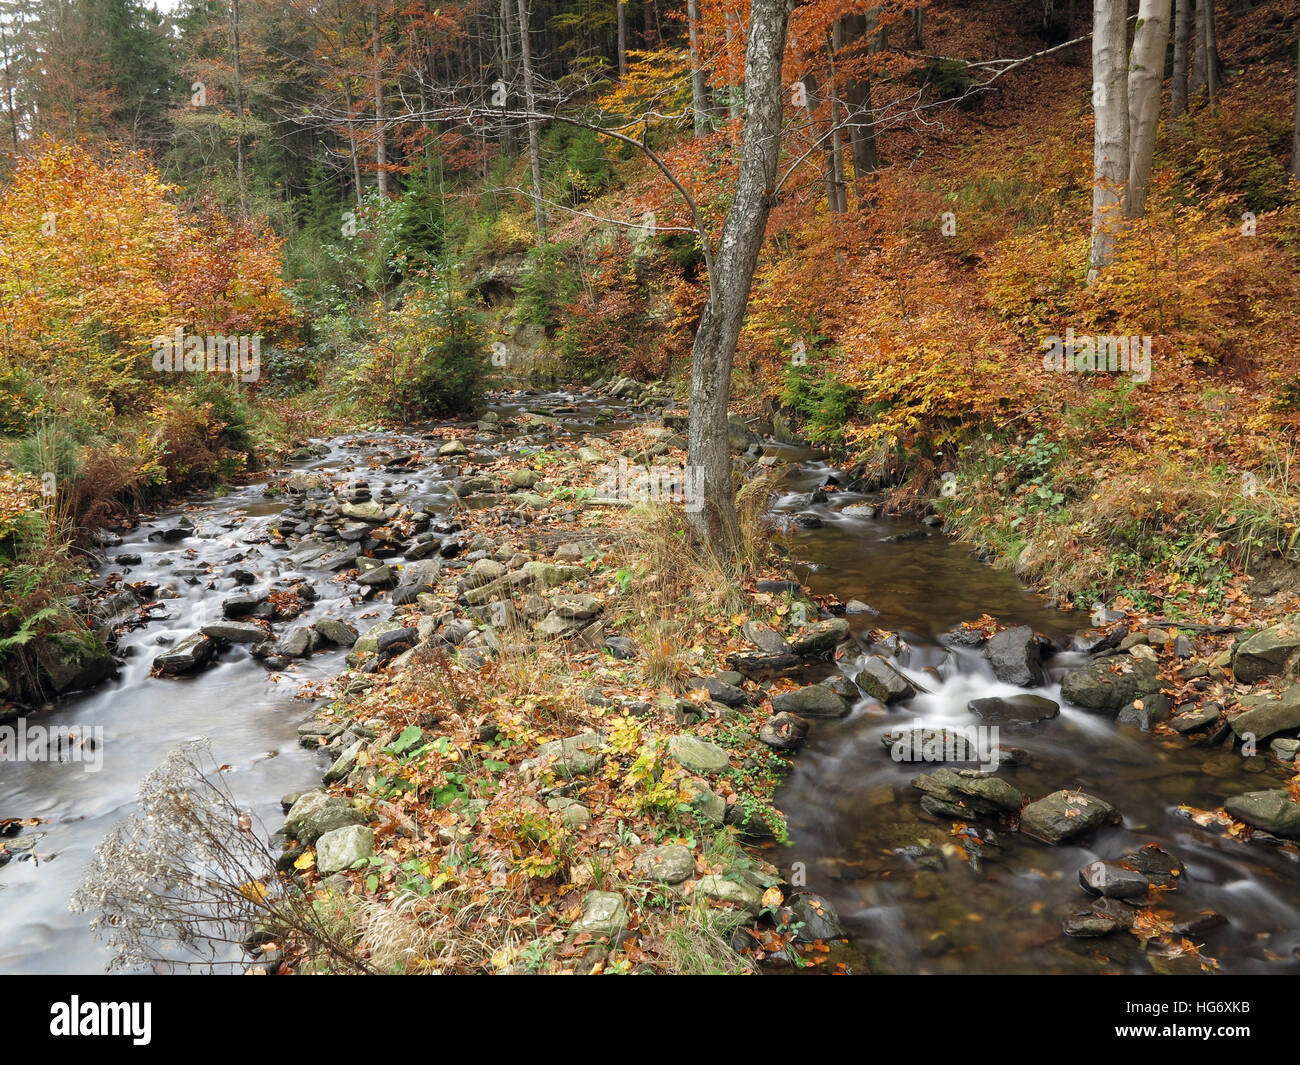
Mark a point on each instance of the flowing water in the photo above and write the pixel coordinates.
(857, 828)
(892, 871)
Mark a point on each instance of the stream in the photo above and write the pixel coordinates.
(904, 892)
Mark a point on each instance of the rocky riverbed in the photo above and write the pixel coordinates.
(526, 725)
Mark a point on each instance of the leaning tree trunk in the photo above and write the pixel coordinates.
(1145, 75)
(1182, 46)
(1110, 138)
(712, 514)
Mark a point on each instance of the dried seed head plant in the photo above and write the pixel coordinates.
(190, 876)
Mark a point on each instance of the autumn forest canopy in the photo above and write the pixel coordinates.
(1024, 274)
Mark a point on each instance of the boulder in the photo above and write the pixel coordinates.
(1065, 815)
(316, 812)
(1016, 657)
(816, 700)
(1273, 652)
(671, 863)
(341, 848)
(784, 732)
(1274, 811)
(1264, 716)
(190, 654)
(697, 755)
(1111, 683)
(882, 681)
(1013, 709)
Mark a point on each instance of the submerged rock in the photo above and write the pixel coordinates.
(1013, 709)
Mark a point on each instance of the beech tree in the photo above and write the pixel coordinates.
(1110, 139)
(1145, 75)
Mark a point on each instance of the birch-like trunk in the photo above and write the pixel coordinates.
(1146, 73)
(1182, 49)
(713, 514)
(1110, 137)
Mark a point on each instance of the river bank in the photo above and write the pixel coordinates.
(550, 711)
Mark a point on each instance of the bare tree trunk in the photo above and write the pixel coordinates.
(1145, 75)
(699, 86)
(1295, 136)
(530, 102)
(857, 96)
(240, 182)
(839, 201)
(1182, 45)
(622, 37)
(9, 90)
(1110, 139)
(713, 515)
(352, 144)
(381, 136)
(733, 91)
(1207, 52)
(505, 19)
(1212, 69)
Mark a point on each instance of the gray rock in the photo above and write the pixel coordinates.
(234, 632)
(1013, 709)
(719, 690)
(337, 632)
(882, 681)
(1154, 710)
(820, 921)
(569, 757)
(1065, 815)
(1273, 652)
(784, 732)
(1015, 657)
(604, 914)
(1095, 687)
(697, 755)
(1273, 811)
(738, 892)
(1113, 880)
(671, 863)
(190, 654)
(340, 848)
(765, 638)
(815, 700)
(1265, 717)
(820, 638)
(316, 812)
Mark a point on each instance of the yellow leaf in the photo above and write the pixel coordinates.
(306, 860)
